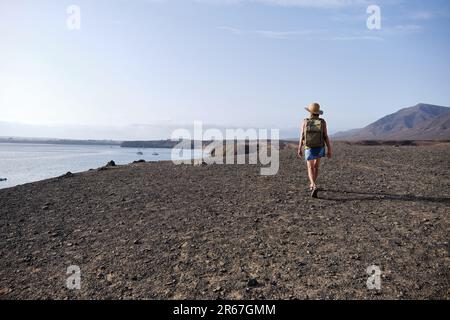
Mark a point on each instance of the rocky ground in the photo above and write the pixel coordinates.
(158, 231)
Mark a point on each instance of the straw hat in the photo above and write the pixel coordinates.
(314, 108)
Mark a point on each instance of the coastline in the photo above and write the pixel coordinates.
(25, 163)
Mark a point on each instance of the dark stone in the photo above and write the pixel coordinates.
(68, 175)
(111, 164)
(395, 242)
(139, 161)
(3, 179)
(199, 162)
(301, 264)
(252, 282)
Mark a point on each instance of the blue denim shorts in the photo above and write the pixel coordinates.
(314, 153)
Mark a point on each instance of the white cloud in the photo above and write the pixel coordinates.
(358, 38)
(403, 29)
(422, 15)
(379, 35)
(282, 35)
(314, 3)
(292, 3)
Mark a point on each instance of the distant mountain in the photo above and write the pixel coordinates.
(58, 141)
(421, 122)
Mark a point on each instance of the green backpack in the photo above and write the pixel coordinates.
(314, 135)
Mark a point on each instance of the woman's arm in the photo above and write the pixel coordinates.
(300, 143)
(327, 139)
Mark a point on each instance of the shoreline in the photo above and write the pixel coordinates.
(283, 145)
(26, 163)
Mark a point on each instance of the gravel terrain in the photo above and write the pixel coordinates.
(161, 231)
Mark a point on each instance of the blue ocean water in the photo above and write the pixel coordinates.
(22, 163)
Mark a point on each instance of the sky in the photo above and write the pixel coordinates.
(138, 64)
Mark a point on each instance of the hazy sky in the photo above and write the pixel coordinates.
(249, 63)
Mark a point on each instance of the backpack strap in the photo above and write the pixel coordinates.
(305, 121)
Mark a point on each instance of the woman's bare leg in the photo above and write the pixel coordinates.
(310, 165)
(316, 169)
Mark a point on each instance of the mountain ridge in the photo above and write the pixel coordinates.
(420, 122)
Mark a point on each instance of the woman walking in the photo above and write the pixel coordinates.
(314, 137)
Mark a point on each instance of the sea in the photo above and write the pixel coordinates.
(22, 163)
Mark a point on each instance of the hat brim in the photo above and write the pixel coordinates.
(319, 113)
